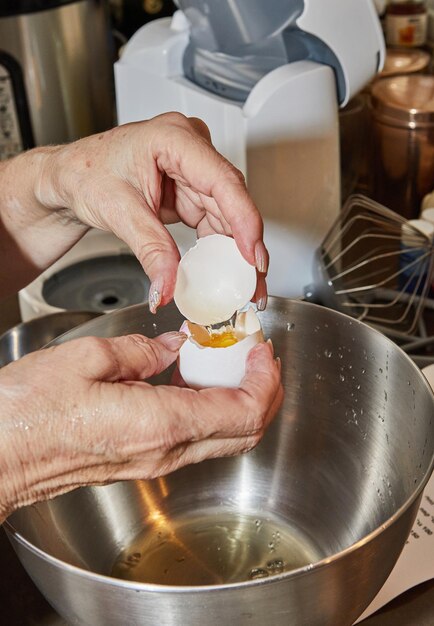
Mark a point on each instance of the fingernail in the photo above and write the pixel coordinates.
(279, 363)
(261, 257)
(262, 303)
(155, 293)
(261, 293)
(270, 343)
(173, 340)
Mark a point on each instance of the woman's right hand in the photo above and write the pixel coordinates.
(131, 180)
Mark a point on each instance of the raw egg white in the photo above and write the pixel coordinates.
(214, 281)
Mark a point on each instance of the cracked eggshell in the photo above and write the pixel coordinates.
(213, 281)
(202, 367)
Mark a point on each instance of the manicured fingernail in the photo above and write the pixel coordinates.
(279, 363)
(262, 303)
(155, 293)
(270, 343)
(261, 257)
(173, 340)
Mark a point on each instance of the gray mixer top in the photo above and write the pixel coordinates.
(234, 43)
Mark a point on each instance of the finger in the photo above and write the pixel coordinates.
(149, 240)
(211, 225)
(200, 127)
(176, 378)
(188, 450)
(238, 209)
(261, 295)
(262, 378)
(248, 407)
(166, 210)
(187, 207)
(197, 451)
(196, 447)
(204, 229)
(182, 158)
(213, 213)
(180, 203)
(224, 413)
(133, 357)
(192, 207)
(219, 224)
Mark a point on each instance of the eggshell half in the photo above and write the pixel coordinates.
(202, 367)
(213, 281)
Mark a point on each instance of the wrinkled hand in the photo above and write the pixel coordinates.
(135, 178)
(81, 413)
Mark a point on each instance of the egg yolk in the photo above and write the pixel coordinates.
(221, 340)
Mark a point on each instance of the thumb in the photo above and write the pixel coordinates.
(132, 357)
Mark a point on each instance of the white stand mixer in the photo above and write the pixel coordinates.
(267, 79)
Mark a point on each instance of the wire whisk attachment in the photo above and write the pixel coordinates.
(374, 265)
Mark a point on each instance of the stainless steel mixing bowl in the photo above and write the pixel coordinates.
(340, 472)
(36, 333)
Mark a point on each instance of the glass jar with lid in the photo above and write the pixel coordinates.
(406, 23)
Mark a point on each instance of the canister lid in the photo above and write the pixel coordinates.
(404, 61)
(406, 101)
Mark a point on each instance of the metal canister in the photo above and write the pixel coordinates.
(403, 142)
(56, 72)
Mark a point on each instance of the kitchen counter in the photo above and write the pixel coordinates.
(23, 605)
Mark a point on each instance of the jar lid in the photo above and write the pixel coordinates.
(404, 100)
(404, 61)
